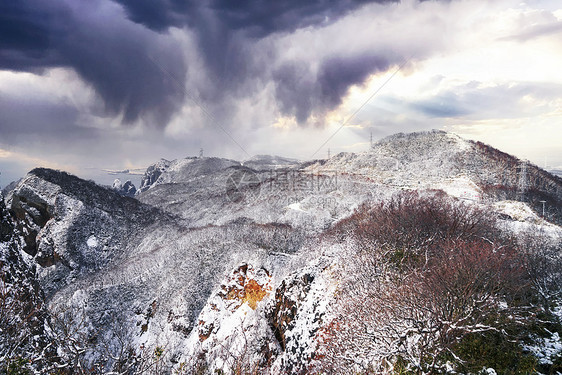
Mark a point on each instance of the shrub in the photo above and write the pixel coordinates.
(426, 276)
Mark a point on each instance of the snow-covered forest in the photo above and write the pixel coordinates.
(427, 254)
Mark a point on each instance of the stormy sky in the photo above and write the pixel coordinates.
(94, 85)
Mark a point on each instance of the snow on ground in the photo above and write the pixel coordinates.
(296, 206)
(459, 187)
(546, 349)
(518, 211)
(92, 241)
(205, 288)
(520, 218)
(462, 143)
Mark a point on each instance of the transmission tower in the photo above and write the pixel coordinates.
(371, 139)
(522, 184)
(328, 153)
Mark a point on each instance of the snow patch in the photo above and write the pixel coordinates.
(546, 349)
(518, 211)
(460, 187)
(92, 241)
(463, 144)
(296, 206)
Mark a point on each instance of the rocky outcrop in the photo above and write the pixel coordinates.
(72, 227)
(245, 286)
(288, 297)
(23, 317)
(152, 174)
(33, 204)
(126, 189)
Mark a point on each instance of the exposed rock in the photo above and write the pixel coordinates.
(73, 227)
(245, 285)
(127, 189)
(152, 174)
(288, 297)
(23, 318)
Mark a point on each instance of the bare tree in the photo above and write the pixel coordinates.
(416, 280)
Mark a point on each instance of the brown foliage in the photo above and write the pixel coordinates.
(410, 225)
(423, 271)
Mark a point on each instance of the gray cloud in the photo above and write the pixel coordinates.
(476, 102)
(534, 26)
(302, 91)
(108, 46)
(38, 119)
(107, 51)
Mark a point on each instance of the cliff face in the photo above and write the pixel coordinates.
(23, 318)
(219, 264)
(73, 227)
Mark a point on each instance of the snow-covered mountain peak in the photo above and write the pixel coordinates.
(411, 160)
(270, 162)
(182, 170)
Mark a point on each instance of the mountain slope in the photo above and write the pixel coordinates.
(219, 264)
(22, 315)
(464, 169)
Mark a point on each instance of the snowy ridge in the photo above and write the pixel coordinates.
(267, 162)
(417, 160)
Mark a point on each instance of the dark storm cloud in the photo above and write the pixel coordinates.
(301, 91)
(295, 89)
(158, 14)
(258, 18)
(96, 41)
(27, 32)
(110, 44)
(337, 74)
(226, 31)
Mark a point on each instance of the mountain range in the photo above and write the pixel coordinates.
(218, 266)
